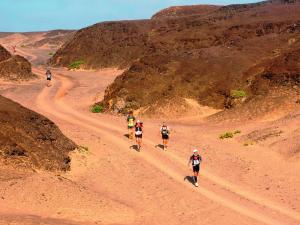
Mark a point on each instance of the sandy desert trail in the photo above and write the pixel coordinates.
(150, 187)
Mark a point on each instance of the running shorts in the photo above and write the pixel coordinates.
(196, 168)
(165, 136)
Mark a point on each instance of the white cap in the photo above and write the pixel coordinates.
(138, 121)
(195, 150)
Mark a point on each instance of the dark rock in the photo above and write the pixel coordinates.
(31, 140)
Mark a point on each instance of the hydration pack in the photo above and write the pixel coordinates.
(164, 130)
(138, 130)
(48, 73)
(130, 120)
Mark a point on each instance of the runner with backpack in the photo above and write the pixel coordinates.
(130, 124)
(139, 134)
(48, 77)
(195, 159)
(165, 133)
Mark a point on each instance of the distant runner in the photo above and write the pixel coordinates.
(139, 133)
(14, 49)
(49, 77)
(165, 133)
(195, 159)
(130, 124)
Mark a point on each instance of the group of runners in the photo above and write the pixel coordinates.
(136, 128)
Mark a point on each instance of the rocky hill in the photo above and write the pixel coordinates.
(5, 34)
(29, 140)
(53, 38)
(221, 59)
(180, 11)
(4, 54)
(106, 45)
(14, 67)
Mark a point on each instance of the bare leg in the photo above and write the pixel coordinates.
(196, 178)
(132, 133)
(129, 133)
(165, 144)
(139, 142)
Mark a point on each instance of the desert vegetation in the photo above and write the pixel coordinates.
(76, 65)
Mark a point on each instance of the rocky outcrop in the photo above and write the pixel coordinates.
(14, 67)
(29, 140)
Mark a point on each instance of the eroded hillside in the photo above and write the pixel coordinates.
(205, 57)
(14, 67)
(179, 11)
(29, 140)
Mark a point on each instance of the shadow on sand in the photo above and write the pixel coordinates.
(160, 146)
(126, 135)
(189, 179)
(135, 147)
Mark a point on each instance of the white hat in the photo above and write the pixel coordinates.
(138, 121)
(195, 150)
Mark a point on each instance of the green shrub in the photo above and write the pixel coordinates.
(229, 134)
(50, 53)
(226, 135)
(76, 65)
(238, 94)
(97, 108)
(83, 149)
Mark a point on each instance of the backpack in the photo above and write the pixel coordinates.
(139, 129)
(130, 120)
(164, 130)
(196, 160)
(48, 73)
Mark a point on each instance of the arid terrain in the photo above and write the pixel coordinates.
(202, 53)
(14, 67)
(250, 179)
(30, 140)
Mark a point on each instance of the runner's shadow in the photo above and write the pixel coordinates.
(126, 135)
(160, 146)
(135, 147)
(189, 179)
